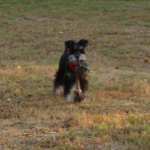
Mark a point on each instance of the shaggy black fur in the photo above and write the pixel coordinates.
(65, 76)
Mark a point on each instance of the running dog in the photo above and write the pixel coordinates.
(72, 58)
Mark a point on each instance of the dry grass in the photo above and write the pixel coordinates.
(115, 115)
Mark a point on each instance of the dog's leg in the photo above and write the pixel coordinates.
(55, 92)
(67, 92)
(84, 86)
(68, 97)
(56, 86)
(60, 73)
(68, 84)
(58, 81)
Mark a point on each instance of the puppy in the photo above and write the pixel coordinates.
(66, 74)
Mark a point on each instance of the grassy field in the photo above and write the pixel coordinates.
(116, 113)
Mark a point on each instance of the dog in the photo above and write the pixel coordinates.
(66, 74)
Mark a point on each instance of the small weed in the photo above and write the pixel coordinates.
(147, 25)
(9, 89)
(36, 79)
(3, 64)
(31, 52)
(114, 123)
(117, 86)
(133, 137)
(129, 128)
(124, 51)
(129, 23)
(44, 130)
(14, 55)
(26, 131)
(148, 77)
(107, 53)
(93, 82)
(145, 127)
(101, 129)
(136, 119)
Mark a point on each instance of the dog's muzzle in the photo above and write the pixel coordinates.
(78, 65)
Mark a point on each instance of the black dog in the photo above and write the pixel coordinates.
(66, 74)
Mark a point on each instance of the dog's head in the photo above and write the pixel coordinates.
(76, 47)
(79, 65)
(77, 56)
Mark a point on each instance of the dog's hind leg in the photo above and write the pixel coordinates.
(58, 81)
(60, 73)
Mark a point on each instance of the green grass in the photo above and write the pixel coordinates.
(115, 114)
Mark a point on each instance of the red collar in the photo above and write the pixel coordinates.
(72, 67)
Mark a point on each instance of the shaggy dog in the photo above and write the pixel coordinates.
(66, 74)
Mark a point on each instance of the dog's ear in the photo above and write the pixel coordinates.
(83, 42)
(69, 44)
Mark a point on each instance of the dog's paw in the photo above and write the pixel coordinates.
(68, 98)
(55, 93)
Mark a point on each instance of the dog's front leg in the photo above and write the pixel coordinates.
(84, 86)
(69, 81)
